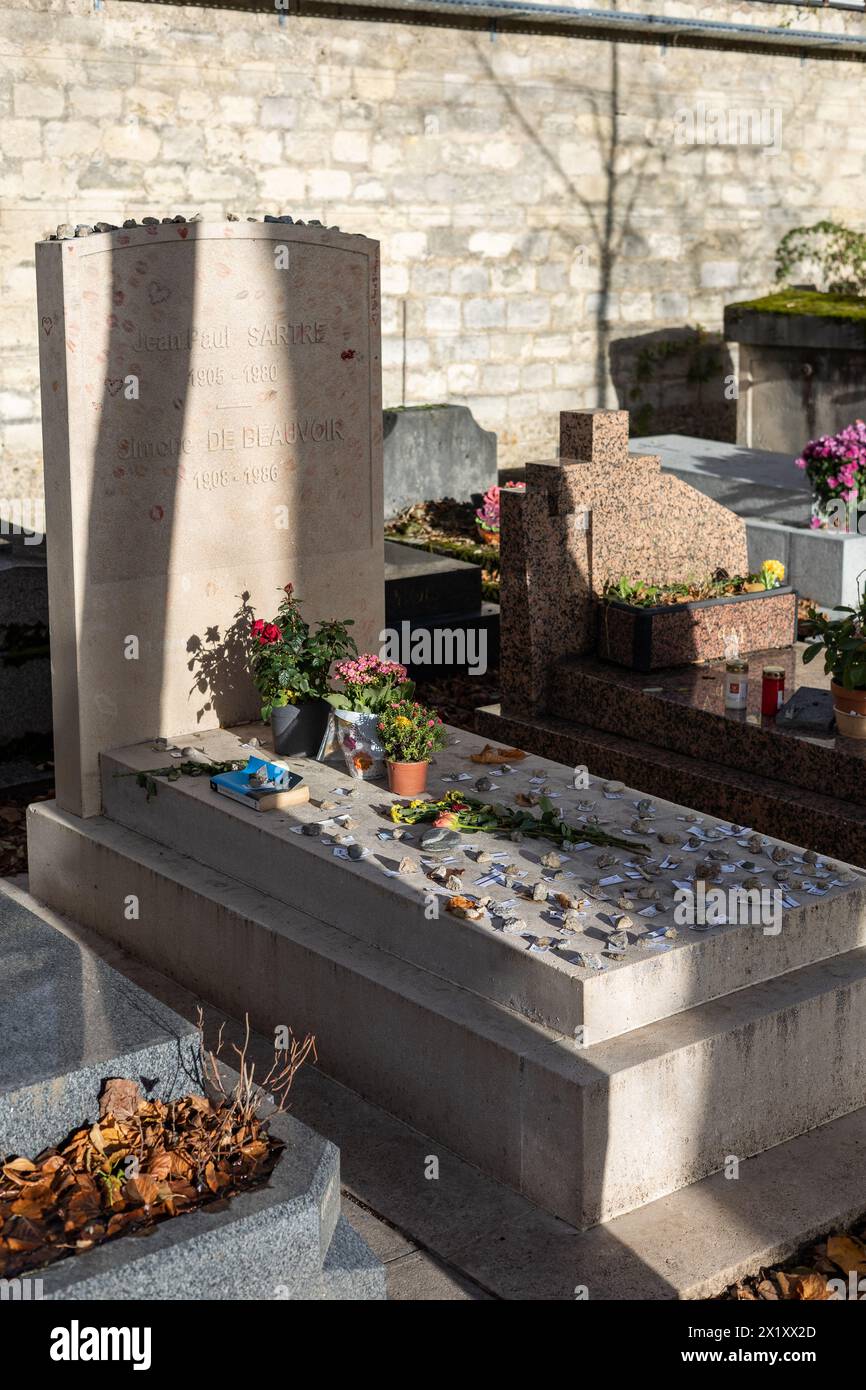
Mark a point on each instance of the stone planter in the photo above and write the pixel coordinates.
(358, 736)
(648, 639)
(299, 729)
(277, 1241)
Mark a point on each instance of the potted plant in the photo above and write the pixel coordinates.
(290, 665)
(843, 643)
(411, 734)
(369, 684)
(835, 465)
(649, 626)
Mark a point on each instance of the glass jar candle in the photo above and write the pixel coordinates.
(772, 690)
(736, 683)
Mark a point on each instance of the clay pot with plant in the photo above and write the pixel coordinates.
(410, 733)
(842, 641)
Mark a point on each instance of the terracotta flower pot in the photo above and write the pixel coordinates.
(849, 701)
(850, 725)
(407, 779)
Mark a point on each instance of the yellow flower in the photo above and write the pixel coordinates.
(775, 569)
(401, 722)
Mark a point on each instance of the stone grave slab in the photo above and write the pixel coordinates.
(212, 427)
(435, 451)
(419, 584)
(70, 1021)
(372, 900)
(537, 1110)
(751, 482)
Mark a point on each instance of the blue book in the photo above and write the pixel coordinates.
(281, 789)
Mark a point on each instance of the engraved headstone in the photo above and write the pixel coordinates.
(212, 425)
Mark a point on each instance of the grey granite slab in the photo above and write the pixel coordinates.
(68, 1022)
(751, 482)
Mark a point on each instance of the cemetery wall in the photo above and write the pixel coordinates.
(562, 221)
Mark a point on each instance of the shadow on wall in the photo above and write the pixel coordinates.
(676, 381)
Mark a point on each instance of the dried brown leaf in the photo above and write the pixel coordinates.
(120, 1097)
(809, 1286)
(848, 1253)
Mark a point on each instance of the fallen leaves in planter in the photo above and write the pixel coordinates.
(807, 1278)
(142, 1161)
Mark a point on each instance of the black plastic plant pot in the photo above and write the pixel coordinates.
(299, 729)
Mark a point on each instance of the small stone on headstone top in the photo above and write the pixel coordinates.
(439, 840)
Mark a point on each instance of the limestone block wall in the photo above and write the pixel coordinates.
(561, 220)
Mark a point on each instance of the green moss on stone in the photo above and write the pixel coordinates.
(813, 302)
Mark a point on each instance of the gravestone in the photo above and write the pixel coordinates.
(435, 451)
(594, 514)
(211, 413)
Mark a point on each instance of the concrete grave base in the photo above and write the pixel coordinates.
(743, 1057)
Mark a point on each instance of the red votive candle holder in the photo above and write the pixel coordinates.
(772, 690)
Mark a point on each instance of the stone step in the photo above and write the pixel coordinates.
(350, 1271)
(615, 701)
(69, 1022)
(389, 912)
(559, 1124)
(773, 806)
